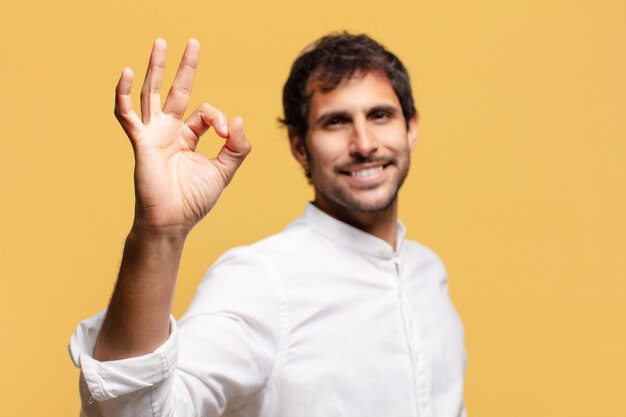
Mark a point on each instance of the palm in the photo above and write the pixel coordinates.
(176, 186)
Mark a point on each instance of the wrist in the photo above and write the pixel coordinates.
(172, 236)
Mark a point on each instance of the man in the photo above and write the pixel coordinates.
(337, 315)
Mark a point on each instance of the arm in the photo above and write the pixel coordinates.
(175, 187)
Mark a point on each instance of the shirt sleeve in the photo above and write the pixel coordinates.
(221, 353)
(101, 381)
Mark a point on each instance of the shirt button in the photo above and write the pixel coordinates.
(384, 251)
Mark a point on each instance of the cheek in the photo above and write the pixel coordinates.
(325, 152)
(394, 137)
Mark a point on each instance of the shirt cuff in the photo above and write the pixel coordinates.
(110, 379)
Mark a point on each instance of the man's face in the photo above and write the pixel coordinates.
(357, 146)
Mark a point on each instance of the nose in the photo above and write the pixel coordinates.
(362, 143)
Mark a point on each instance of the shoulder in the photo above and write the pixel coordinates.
(422, 257)
(252, 266)
(420, 250)
(241, 282)
(296, 236)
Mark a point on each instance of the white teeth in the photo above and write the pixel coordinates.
(367, 172)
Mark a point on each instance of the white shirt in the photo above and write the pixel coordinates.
(319, 320)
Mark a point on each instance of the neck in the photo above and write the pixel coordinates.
(381, 223)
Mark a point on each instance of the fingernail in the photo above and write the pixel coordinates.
(225, 128)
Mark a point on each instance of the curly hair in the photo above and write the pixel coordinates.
(330, 60)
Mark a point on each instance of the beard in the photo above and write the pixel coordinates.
(368, 199)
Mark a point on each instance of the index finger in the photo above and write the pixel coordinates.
(180, 93)
(123, 105)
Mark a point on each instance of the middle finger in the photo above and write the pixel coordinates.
(180, 93)
(151, 90)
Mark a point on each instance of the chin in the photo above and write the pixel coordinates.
(378, 206)
(365, 204)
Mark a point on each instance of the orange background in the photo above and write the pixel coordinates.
(518, 181)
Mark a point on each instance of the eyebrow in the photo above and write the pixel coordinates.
(388, 108)
(330, 115)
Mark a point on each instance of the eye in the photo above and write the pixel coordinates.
(335, 121)
(380, 116)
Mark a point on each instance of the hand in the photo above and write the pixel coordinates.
(175, 187)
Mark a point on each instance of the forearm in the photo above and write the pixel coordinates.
(137, 321)
(175, 187)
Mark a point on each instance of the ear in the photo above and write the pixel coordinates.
(298, 149)
(412, 133)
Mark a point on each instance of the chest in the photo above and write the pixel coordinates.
(369, 335)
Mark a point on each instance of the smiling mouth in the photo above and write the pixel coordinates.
(367, 172)
(365, 169)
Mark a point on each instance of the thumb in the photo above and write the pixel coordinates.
(234, 150)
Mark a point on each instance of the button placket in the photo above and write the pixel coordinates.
(414, 345)
(407, 325)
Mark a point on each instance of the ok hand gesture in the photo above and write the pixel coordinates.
(175, 187)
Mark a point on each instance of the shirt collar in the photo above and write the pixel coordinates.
(349, 236)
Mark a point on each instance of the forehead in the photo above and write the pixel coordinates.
(359, 92)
